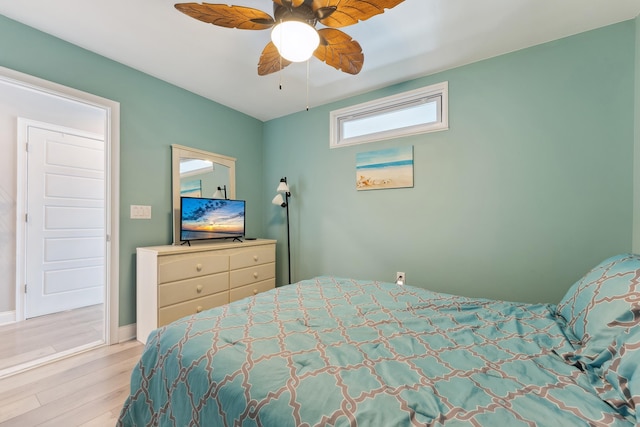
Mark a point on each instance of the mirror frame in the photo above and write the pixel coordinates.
(179, 152)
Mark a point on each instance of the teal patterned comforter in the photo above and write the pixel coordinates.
(341, 352)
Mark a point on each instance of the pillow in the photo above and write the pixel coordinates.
(601, 306)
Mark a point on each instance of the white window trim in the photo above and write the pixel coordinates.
(336, 116)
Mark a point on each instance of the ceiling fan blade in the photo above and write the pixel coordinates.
(340, 51)
(340, 13)
(289, 3)
(244, 18)
(270, 60)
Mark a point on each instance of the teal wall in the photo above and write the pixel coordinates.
(530, 187)
(153, 115)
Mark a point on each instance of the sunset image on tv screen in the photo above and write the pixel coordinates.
(211, 218)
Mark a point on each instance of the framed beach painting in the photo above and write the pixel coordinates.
(389, 168)
(191, 188)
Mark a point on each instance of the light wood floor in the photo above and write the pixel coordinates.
(84, 390)
(40, 337)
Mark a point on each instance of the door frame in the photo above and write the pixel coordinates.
(112, 193)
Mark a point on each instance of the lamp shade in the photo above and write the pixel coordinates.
(278, 200)
(221, 193)
(283, 187)
(296, 41)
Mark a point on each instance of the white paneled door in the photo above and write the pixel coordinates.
(65, 222)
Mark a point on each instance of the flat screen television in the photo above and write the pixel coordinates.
(202, 218)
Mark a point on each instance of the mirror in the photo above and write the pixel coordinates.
(198, 173)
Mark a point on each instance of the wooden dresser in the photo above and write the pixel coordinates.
(177, 281)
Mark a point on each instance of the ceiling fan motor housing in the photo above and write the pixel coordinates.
(303, 13)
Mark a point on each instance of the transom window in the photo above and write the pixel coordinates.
(408, 113)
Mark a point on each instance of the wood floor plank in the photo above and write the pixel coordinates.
(26, 356)
(31, 340)
(71, 402)
(69, 366)
(91, 379)
(57, 335)
(106, 419)
(18, 407)
(44, 377)
(80, 315)
(87, 389)
(86, 413)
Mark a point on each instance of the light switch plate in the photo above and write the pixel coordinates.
(140, 212)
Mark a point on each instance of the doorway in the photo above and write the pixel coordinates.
(69, 189)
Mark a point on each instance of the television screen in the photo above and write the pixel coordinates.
(202, 218)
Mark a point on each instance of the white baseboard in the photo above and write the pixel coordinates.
(7, 317)
(127, 332)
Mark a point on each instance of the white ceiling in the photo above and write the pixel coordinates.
(416, 38)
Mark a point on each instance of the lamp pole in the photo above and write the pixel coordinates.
(286, 195)
(283, 187)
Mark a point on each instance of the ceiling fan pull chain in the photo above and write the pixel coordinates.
(307, 85)
(280, 61)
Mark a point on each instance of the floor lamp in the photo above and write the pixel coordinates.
(221, 193)
(283, 188)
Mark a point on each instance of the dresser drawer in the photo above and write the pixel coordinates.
(179, 267)
(246, 276)
(184, 290)
(174, 312)
(250, 290)
(252, 256)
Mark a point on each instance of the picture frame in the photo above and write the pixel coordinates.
(384, 169)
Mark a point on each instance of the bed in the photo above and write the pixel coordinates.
(341, 352)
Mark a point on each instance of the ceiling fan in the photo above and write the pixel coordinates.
(329, 45)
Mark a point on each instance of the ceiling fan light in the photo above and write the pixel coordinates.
(295, 40)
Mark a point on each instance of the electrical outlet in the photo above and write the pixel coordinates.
(400, 278)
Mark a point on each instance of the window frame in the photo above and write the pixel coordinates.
(387, 104)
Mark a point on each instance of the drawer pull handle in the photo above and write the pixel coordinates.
(199, 288)
(199, 267)
(255, 275)
(255, 258)
(199, 309)
(255, 292)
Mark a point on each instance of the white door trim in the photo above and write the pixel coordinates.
(112, 199)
